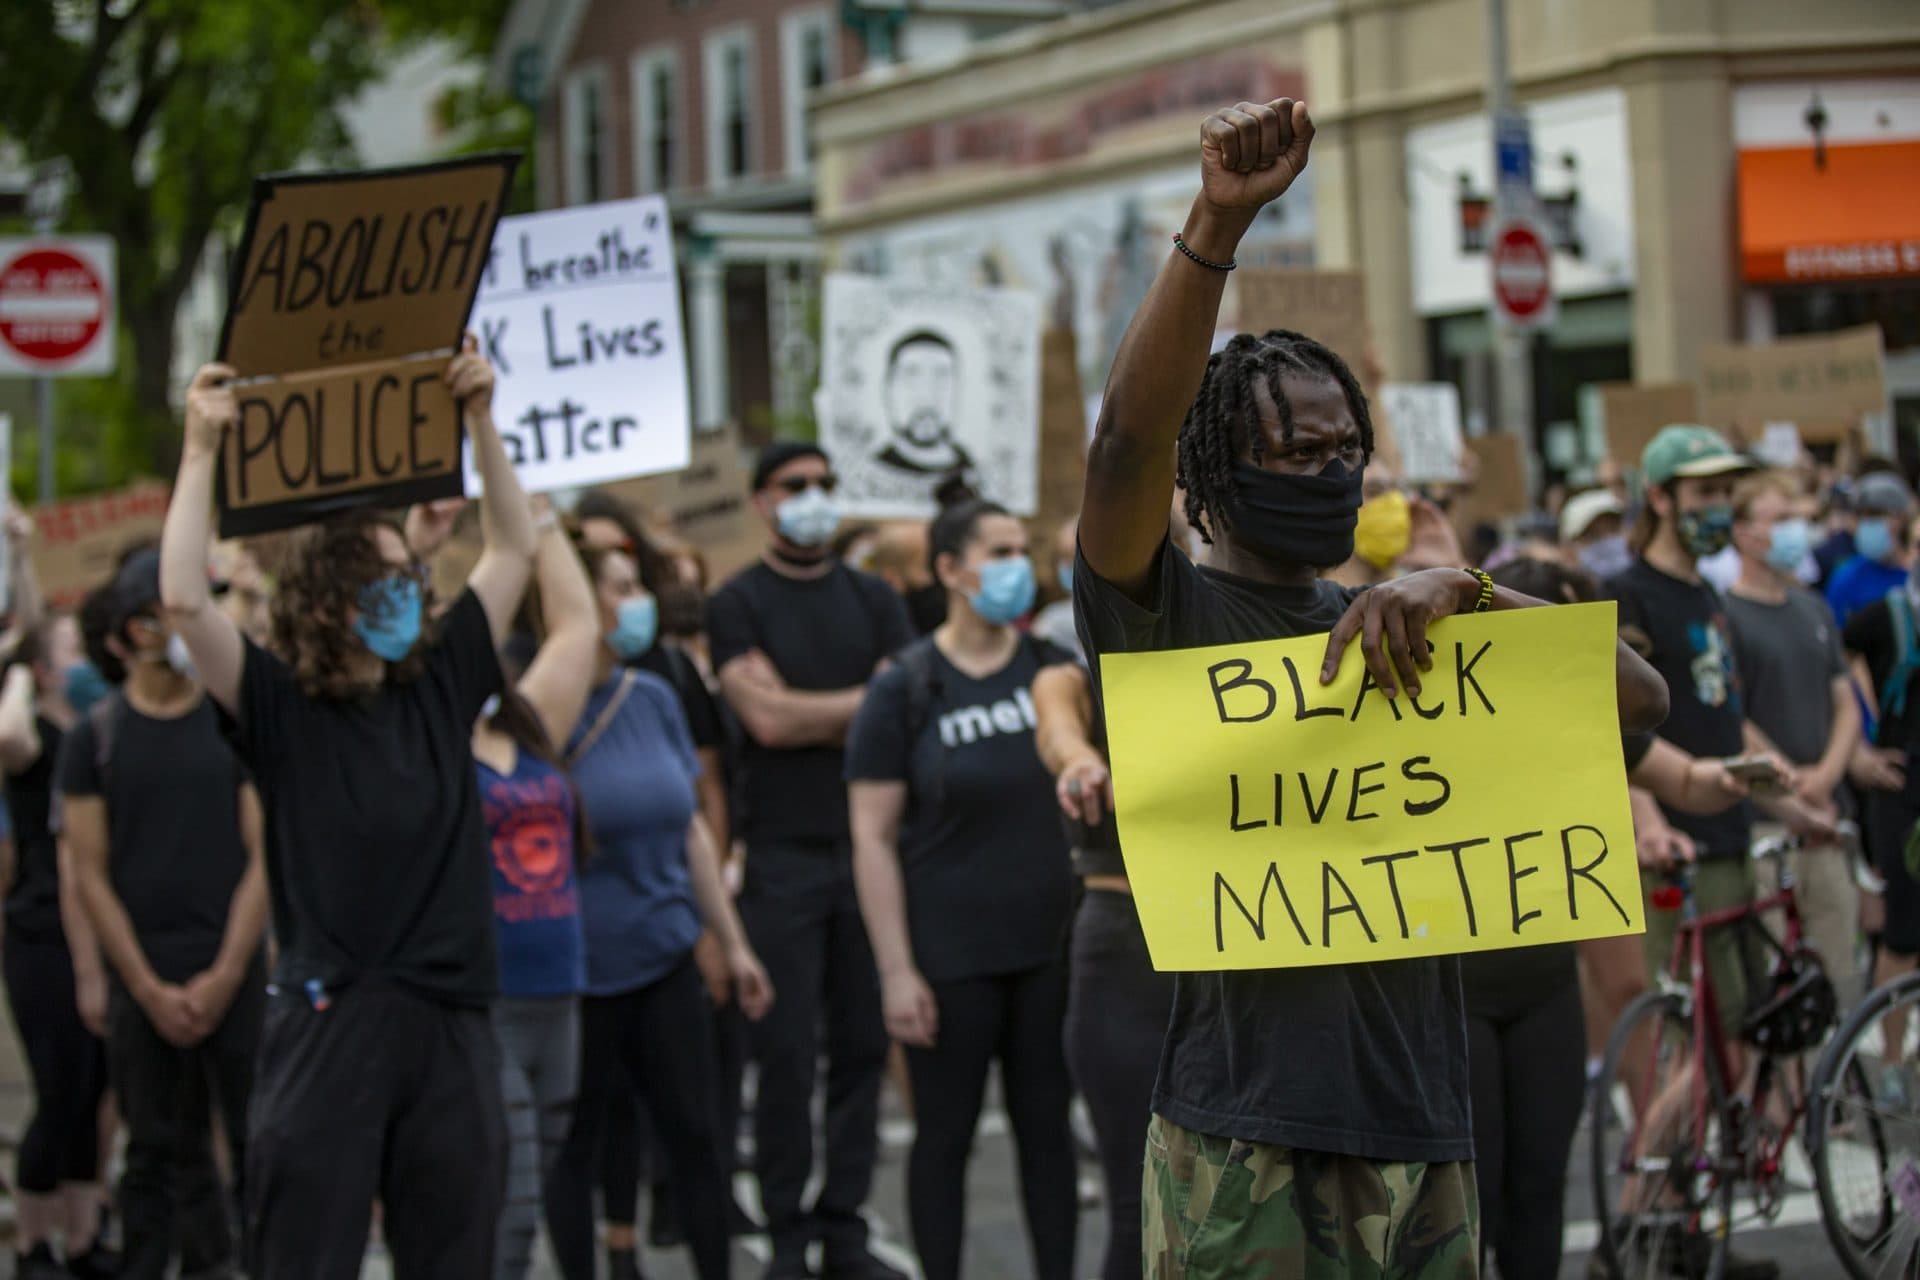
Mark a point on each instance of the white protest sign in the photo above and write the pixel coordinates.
(1425, 417)
(919, 382)
(1779, 445)
(579, 311)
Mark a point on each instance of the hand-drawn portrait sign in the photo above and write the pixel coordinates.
(350, 292)
(1273, 822)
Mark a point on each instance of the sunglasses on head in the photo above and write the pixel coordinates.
(797, 485)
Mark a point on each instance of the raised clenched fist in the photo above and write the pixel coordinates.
(211, 407)
(1250, 154)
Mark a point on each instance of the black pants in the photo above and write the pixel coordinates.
(1117, 1011)
(67, 1062)
(804, 920)
(1016, 1019)
(627, 1141)
(1527, 1057)
(384, 1094)
(171, 1189)
(662, 1036)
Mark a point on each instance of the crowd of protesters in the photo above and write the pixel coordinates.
(334, 904)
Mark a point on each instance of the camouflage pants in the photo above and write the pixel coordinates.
(1223, 1209)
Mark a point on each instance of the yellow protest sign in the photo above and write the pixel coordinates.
(1269, 821)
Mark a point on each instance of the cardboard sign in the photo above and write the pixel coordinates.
(1425, 418)
(1328, 306)
(1824, 383)
(579, 312)
(1275, 822)
(1063, 431)
(77, 542)
(705, 504)
(923, 381)
(1500, 482)
(350, 292)
(1633, 414)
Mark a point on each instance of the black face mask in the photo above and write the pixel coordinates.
(1296, 519)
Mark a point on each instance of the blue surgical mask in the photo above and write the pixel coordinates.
(634, 626)
(1066, 576)
(1790, 543)
(1874, 539)
(389, 621)
(809, 519)
(1006, 590)
(85, 686)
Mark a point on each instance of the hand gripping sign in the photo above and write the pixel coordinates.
(1271, 822)
(351, 290)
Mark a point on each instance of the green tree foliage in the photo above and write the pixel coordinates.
(165, 110)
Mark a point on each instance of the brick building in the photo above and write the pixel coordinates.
(706, 101)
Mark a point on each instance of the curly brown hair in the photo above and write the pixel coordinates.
(322, 574)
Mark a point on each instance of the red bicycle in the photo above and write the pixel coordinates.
(1683, 1119)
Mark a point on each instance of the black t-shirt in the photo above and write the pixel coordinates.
(33, 899)
(1366, 1060)
(821, 634)
(1869, 633)
(174, 852)
(377, 852)
(702, 708)
(989, 887)
(1681, 628)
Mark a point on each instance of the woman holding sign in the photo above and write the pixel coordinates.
(378, 1075)
(1349, 1081)
(965, 887)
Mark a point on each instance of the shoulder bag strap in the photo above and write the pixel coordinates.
(603, 722)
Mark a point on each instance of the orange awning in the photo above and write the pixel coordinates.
(1856, 219)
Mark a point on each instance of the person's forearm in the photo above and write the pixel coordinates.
(783, 718)
(883, 904)
(506, 524)
(186, 535)
(1756, 741)
(1842, 738)
(1062, 732)
(566, 597)
(104, 926)
(19, 734)
(709, 890)
(711, 791)
(246, 923)
(28, 607)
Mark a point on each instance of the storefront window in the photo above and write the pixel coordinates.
(1822, 309)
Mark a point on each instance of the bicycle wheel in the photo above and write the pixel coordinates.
(1863, 1133)
(1660, 1199)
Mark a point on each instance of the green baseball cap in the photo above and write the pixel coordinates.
(1687, 449)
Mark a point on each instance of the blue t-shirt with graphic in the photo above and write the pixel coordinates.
(536, 892)
(637, 783)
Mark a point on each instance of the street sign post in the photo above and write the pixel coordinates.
(56, 306)
(1521, 254)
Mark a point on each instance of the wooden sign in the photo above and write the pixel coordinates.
(1328, 306)
(1063, 432)
(1823, 383)
(1500, 485)
(77, 542)
(351, 291)
(1633, 415)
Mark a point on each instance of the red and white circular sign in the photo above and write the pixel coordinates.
(53, 304)
(1522, 274)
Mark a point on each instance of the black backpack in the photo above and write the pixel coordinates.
(926, 686)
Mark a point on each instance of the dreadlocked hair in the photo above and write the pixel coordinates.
(1220, 426)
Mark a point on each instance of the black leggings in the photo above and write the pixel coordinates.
(1117, 1012)
(1016, 1019)
(662, 1034)
(1527, 1057)
(68, 1064)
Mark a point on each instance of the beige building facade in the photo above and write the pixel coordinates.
(1060, 160)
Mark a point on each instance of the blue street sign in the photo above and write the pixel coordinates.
(1513, 152)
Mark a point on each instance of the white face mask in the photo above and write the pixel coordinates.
(809, 519)
(180, 658)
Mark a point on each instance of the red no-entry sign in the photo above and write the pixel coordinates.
(1522, 260)
(56, 306)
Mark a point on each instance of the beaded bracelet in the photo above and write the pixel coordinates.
(1180, 243)
(1485, 602)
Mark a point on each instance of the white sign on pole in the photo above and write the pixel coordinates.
(1425, 417)
(56, 305)
(579, 312)
(920, 382)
